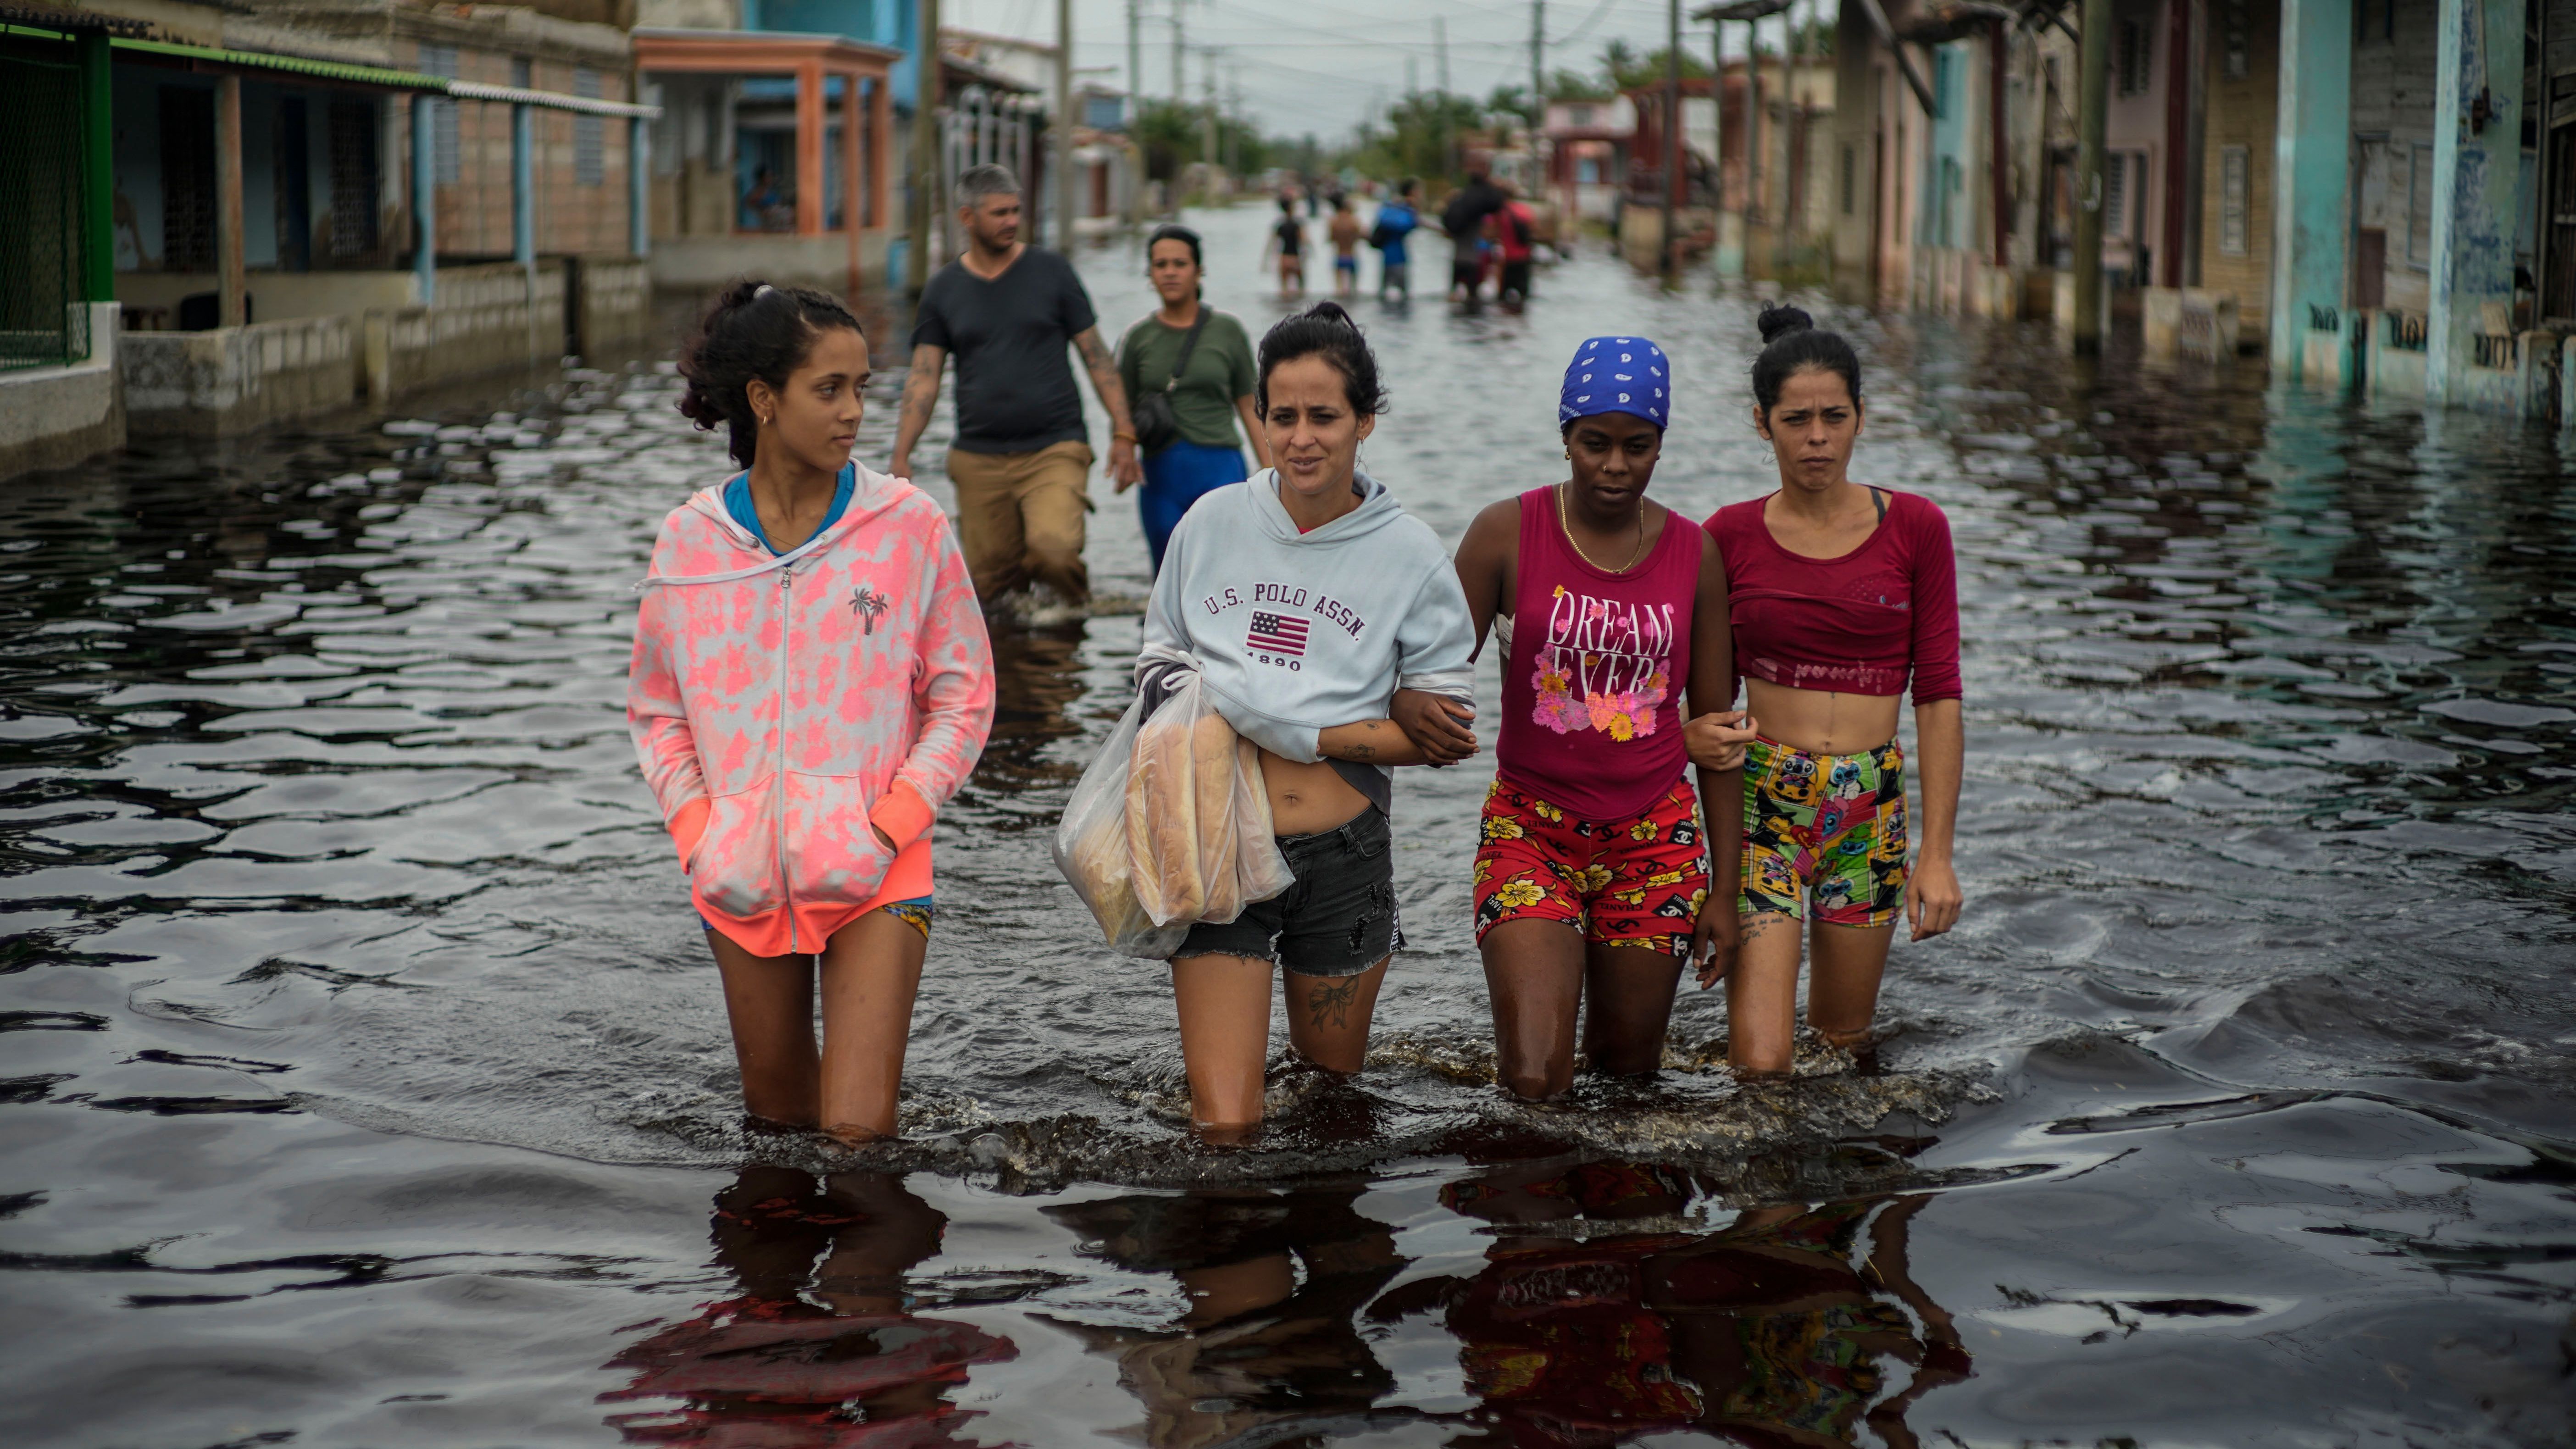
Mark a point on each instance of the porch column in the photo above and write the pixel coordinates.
(2477, 154)
(2311, 169)
(809, 149)
(98, 170)
(852, 202)
(228, 201)
(639, 187)
(881, 157)
(424, 200)
(523, 187)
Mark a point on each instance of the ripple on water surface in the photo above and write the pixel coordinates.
(365, 1080)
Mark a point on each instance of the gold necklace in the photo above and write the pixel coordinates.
(1578, 547)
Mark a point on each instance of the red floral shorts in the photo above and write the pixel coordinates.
(1634, 882)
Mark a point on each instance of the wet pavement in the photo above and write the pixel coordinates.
(363, 1078)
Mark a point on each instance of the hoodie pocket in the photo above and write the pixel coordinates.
(834, 854)
(736, 868)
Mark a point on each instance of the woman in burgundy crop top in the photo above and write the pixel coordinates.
(1838, 594)
(1589, 873)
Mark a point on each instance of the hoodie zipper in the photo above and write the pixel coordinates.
(786, 886)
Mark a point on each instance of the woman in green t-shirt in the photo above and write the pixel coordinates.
(1211, 392)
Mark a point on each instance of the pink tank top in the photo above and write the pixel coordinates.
(1592, 688)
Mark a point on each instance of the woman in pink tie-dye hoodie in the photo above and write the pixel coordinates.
(811, 682)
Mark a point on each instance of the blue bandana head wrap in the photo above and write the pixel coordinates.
(1617, 375)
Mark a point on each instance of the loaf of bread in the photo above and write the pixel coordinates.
(1180, 817)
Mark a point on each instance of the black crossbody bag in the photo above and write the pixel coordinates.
(1157, 425)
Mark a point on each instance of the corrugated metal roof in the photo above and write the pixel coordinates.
(365, 75)
(552, 100)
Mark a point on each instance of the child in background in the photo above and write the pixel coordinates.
(1345, 228)
(811, 682)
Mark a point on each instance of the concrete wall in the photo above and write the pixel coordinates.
(702, 264)
(235, 379)
(482, 323)
(53, 417)
(275, 296)
(613, 306)
(2312, 151)
(2473, 357)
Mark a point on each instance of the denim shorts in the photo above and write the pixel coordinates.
(1339, 919)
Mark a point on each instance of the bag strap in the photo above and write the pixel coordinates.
(1181, 363)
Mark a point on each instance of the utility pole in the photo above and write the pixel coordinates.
(1440, 47)
(1673, 126)
(1135, 112)
(1207, 134)
(2092, 86)
(1179, 49)
(926, 180)
(1063, 127)
(1538, 69)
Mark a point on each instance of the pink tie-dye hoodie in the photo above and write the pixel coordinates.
(783, 704)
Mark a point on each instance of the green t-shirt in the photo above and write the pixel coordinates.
(1220, 371)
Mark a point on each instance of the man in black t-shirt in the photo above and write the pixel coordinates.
(1464, 219)
(1022, 456)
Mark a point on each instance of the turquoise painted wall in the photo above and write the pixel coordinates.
(2477, 179)
(2311, 169)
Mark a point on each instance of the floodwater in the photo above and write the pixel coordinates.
(366, 1080)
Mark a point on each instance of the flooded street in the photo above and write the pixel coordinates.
(364, 1077)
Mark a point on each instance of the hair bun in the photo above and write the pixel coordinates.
(1779, 319)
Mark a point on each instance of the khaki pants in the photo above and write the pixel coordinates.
(1020, 518)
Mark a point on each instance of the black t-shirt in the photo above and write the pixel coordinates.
(1015, 390)
(1292, 236)
(1468, 209)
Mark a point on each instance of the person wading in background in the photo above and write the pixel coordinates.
(1207, 390)
(1396, 220)
(1464, 219)
(1345, 231)
(1022, 457)
(1288, 239)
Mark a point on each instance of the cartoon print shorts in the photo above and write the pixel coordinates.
(1824, 833)
(1634, 882)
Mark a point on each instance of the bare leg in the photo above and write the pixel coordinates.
(1224, 1005)
(871, 972)
(1762, 997)
(1534, 975)
(1842, 986)
(769, 1000)
(1630, 1003)
(1220, 1292)
(1328, 1017)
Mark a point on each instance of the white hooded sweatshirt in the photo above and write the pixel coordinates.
(1295, 633)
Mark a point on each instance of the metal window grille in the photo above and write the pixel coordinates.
(446, 147)
(2136, 55)
(353, 179)
(187, 179)
(589, 133)
(43, 322)
(2232, 200)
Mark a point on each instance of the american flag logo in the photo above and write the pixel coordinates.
(1277, 634)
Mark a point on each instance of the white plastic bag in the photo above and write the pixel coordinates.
(1157, 840)
(1091, 849)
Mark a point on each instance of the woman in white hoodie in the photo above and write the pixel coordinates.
(1306, 598)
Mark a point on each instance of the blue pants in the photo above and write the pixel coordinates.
(1177, 477)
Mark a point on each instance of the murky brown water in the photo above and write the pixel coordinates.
(363, 1079)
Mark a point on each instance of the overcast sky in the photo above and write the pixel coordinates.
(1322, 66)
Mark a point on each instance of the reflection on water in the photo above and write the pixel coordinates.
(818, 1347)
(1604, 1311)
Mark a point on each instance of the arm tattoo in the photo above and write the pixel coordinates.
(1330, 1005)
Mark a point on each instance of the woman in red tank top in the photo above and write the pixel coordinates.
(1840, 593)
(1590, 876)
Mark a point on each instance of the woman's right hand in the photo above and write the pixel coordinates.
(1436, 724)
(1716, 740)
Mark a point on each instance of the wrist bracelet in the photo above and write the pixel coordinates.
(1122, 437)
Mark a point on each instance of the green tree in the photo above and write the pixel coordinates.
(1629, 71)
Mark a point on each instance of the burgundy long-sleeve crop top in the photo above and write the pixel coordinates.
(1857, 624)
